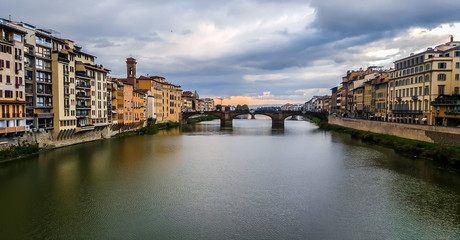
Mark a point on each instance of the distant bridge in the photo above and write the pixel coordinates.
(278, 117)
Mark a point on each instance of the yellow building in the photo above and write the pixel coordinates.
(12, 97)
(112, 90)
(419, 79)
(379, 98)
(138, 105)
(167, 97)
(446, 110)
(64, 85)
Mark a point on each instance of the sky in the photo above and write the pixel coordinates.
(246, 51)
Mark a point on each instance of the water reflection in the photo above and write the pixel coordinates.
(248, 182)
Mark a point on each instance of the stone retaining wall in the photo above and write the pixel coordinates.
(433, 134)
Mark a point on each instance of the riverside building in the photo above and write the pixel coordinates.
(418, 80)
(12, 89)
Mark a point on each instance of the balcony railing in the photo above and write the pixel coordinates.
(65, 60)
(12, 129)
(87, 106)
(43, 43)
(43, 92)
(44, 105)
(12, 115)
(82, 85)
(407, 111)
(83, 96)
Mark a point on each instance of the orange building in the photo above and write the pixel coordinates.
(12, 89)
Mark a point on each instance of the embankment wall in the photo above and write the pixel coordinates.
(433, 134)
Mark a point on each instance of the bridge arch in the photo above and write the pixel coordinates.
(278, 117)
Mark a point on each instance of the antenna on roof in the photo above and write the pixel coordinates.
(9, 17)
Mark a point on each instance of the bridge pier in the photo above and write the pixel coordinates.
(279, 123)
(226, 123)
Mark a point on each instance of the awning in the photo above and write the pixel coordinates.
(423, 119)
(416, 119)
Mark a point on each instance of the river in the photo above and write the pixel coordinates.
(249, 182)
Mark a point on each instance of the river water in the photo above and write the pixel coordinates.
(249, 182)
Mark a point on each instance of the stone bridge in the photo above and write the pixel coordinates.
(278, 117)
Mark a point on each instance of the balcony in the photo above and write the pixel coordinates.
(415, 97)
(83, 106)
(66, 72)
(39, 67)
(64, 60)
(12, 129)
(18, 57)
(82, 74)
(44, 92)
(399, 99)
(44, 105)
(12, 115)
(44, 115)
(447, 100)
(66, 84)
(407, 111)
(82, 85)
(83, 96)
(29, 91)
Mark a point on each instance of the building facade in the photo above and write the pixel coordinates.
(12, 88)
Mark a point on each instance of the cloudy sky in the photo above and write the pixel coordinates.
(246, 51)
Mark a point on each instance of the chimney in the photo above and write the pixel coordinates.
(451, 38)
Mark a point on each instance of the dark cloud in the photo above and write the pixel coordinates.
(356, 17)
(152, 31)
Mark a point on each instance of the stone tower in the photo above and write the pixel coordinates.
(131, 71)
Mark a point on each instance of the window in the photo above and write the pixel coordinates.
(7, 64)
(442, 65)
(457, 65)
(457, 53)
(441, 90)
(427, 91)
(456, 91)
(441, 77)
(8, 94)
(457, 77)
(427, 67)
(427, 78)
(17, 37)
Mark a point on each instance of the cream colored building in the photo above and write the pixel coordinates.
(419, 79)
